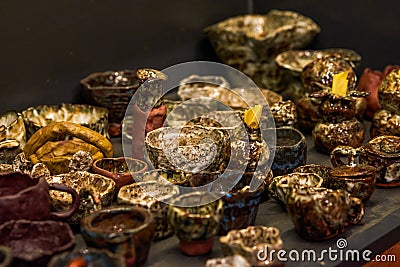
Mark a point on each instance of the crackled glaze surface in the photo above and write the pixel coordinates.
(320, 213)
(385, 122)
(285, 114)
(249, 241)
(389, 92)
(151, 195)
(250, 43)
(321, 170)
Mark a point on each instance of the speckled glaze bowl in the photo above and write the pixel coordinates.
(290, 150)
(120, 170)
(12, 136)
(383, 153)
(385, 122)
(281, 185)
(389, 92)
(320, 213)
(33, 243)
(151, 195)
(321, 170)
(196, 226)
(189, 148)
(196, 86)
(175, 177)
(250, 43)
(285, 114)
(249, 241)
(95, 118)
(87, 257)
(126, 231)
(112, 90)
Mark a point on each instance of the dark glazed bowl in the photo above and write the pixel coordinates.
(34, 242)
(120, 170)
(89, 256)
(127, 231)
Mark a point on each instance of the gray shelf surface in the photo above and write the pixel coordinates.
(381, 223)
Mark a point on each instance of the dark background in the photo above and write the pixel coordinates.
(47, 46)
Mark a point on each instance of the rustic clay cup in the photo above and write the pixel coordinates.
(321, 213)
(22, 197)
(120, 170)
(357, 179)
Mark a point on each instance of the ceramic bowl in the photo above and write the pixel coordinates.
(175, 177)
(320, 213)
(55, 144)
(196, 86)
(125, 231)
(229, 261)
(250, 43)
(383, 153)
(385, 122)
(154, 196)
(389, 92)
(290, 150)
(30, 242)
(249, 241)
(285, 114)
(196, 224)
(95, 118)
(12, 136)
(112, 90)
(322, 71)
(324, 171)
(281, 185)
(120, 170)
(189, 148)
(87, 257)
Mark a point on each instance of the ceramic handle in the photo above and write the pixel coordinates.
(74, 206)
(356, 212)
(350, 152)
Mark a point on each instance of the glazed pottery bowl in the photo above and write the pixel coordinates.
(95, 118)
(323, 171)
(87, 257)
(126, 231)
(285, 114)
(30, 242)
(320, 213)
(385, 122)
(6, 256)
(250, 43)
(281, 185)
(290, 150)
(383, 153)
(196, 86)
(229, 261)
(154, 196)
(112, 90)
(389, 92)
(164, 176)
(196, 224)
(120, 170)
(189, 148)
(22, 197)
(12, 127)
(249, 241)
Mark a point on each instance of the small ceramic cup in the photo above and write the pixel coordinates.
(126, 231)
(281, 185)
(290, 150)
(250, 241)
(389, 93)
(321, 213)
(385, 122)
(196, 226)
(120, 170)
(154, 196)
(358, 180)
(323, 171)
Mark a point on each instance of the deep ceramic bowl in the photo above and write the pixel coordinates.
(87, 257)
(250, 43)
(385, 122)
(151, 195)
(189, 148)
(120, 170)
(95, 118)
(34, 242)
(249, 241)
(281, 185)
(324, 171)
(389, 92)
(290, 150)
(125, 231)
(196, 224)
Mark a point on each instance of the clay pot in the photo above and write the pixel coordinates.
(22, 197)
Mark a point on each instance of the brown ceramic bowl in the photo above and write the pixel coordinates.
(120, 170)
(34, 242)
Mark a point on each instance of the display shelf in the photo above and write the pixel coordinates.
(381, 222)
